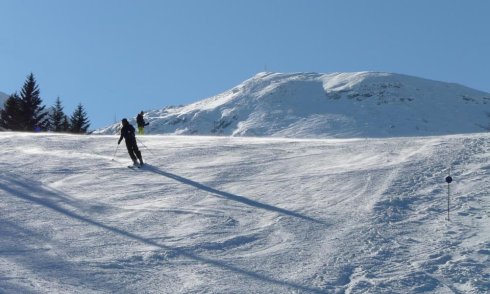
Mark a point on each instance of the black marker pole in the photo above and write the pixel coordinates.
(449, 179)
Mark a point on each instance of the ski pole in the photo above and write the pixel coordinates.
(114, 156)
(139, 141)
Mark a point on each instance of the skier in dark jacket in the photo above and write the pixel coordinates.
(141, 123)
(127, 132)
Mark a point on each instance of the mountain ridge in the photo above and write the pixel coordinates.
(334, 105)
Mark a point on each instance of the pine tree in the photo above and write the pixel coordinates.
(57, 118)
(10, 116)
(32, 111)
(66, 124)
(79, 122)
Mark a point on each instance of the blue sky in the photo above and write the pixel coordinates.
(118, 57)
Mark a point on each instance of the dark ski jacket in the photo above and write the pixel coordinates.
(141, 121)
(127, 132)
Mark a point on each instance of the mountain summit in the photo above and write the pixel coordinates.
(338, 105)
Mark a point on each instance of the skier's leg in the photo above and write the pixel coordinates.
(139, 157)
(138, 152)
(129, 146)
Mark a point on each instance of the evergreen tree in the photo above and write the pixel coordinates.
(10, 116)
(32, 111)
(66, 124)
(79, 122)
(57, 118)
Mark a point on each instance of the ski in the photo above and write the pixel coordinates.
(136, 166)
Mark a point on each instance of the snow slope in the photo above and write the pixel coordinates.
(338, 105)
(244, 215)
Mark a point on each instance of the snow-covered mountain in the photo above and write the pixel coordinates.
(244, 215)
(341, 105)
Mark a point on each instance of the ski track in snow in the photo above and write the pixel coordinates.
(244, 215)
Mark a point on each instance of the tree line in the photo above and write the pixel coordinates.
(25, 112)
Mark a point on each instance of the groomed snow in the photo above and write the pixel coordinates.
(244, 215)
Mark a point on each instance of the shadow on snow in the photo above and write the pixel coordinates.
(233, 197)
(42, 196)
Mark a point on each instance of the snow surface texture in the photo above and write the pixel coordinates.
(338, 105)
(244, 215)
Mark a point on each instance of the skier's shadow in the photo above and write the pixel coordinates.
(230, 196)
